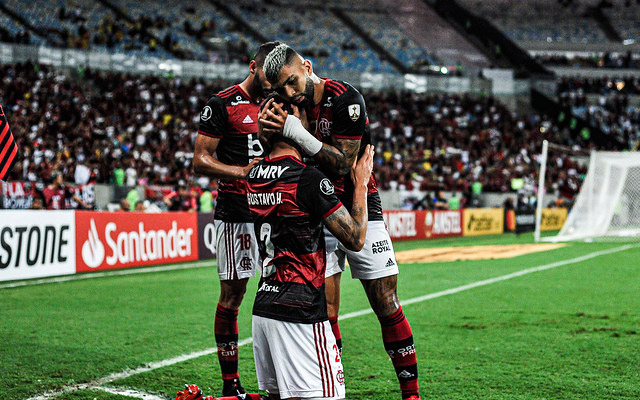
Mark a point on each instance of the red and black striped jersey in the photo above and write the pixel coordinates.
(288, 200)
(232, 116)
(342, 114)
(8, 147)
(55, 199)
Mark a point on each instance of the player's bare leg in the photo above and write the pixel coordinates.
(396, 332)
(332, 292)
(226, 333)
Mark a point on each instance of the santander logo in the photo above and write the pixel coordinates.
(92, 249)
(135, 245)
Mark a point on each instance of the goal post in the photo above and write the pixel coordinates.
(541, 188)
(608, 204)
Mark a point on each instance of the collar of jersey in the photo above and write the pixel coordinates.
(269, 159)
(245, 94)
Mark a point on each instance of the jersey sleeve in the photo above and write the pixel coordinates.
(316, 193)
(214, 118)
(349, 116)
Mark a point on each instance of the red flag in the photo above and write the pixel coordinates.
(8, 147)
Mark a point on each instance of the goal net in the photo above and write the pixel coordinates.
(608, 205)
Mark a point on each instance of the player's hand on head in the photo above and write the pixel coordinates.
(266, 127)
(362, 168)
(272, 118)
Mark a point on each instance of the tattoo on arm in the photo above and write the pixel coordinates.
(339, 156)
(350, 229)
(382, 295)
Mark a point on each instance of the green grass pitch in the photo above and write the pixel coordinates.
(571, 332)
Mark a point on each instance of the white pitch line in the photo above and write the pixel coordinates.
(91, 275)
(130, 393)
(97, 384)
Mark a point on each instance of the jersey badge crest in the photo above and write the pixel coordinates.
(326, 187)
(354, 112)
(206, 113)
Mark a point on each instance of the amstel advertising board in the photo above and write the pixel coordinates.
(422, 224)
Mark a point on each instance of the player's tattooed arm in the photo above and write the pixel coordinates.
(351, 228)
(338, 156)
(205, 163)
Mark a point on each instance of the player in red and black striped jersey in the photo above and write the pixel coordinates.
(290, 202)
(333, 130)
(226, 148)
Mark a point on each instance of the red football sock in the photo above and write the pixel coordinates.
(398, 341)
(335, 327)
(226, 333)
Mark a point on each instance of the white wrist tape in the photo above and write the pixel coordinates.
(294, 130)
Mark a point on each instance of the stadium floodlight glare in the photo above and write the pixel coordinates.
(608, 205)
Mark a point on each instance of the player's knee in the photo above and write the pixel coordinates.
(383, 295)
(232, 296)
(386, 308)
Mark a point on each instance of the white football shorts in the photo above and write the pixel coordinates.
(376, 259)
(236, 250)
(297, 360)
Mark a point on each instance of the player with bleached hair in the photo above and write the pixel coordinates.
(333, 130)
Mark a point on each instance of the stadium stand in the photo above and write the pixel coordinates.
(627, 60)
(190, 27)
(84, 24)
(313, 31)
(148, 124)
(611, 104)
(625, 18)
(202, 30)
(379, 25)
(13, 32)
(540, 20)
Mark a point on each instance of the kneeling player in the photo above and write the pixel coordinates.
(295, 351)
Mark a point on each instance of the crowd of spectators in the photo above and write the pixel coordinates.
(602, 85)
(113, 32)
(614, 115)
(605, 60)
(106, 121)
(435, 142)
(139, 130)
(610, 104)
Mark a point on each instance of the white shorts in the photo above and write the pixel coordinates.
(236, 250)
(376, 259)
(297, 360)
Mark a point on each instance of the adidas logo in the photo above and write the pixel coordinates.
(247, 120)
(405, 374)
(390, 263)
